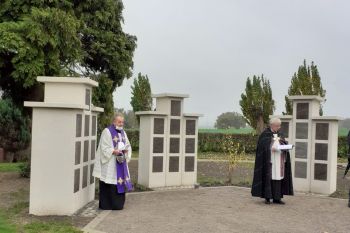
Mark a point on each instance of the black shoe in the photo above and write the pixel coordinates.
(349, 204)
(267, 201)
(279, 202)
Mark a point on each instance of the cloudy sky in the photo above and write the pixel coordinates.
(208, 49)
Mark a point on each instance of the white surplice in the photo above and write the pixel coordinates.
(277, 159)
(105, 161)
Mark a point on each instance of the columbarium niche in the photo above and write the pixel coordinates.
(314, 158)
(63, 146)
(168, 144)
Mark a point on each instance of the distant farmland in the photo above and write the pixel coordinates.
(342, 131)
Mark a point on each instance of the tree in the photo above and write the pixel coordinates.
(141, 99)
(63, 38)
(306, 81)
(230, 120)
(257, 103)
(14, 127)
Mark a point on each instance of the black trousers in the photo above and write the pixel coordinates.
(276, 189)
(109, 198)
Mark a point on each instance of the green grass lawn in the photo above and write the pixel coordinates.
(10, 167)
(5, 225)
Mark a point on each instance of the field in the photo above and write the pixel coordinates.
(342, 131)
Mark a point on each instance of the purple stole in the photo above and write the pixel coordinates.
(123, 178)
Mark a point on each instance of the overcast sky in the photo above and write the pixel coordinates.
(207, 49)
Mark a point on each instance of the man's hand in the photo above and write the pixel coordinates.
(116, 152)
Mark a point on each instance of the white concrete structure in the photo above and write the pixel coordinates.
(314, 158)
(168, 144)
(64, 130)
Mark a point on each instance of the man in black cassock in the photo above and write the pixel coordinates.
(272, 171)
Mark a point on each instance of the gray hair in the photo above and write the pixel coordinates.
(118, 114)
(275, 120)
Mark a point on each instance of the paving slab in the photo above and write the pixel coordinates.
(223, 209)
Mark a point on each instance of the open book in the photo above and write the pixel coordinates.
(285, 147)
(123, 146)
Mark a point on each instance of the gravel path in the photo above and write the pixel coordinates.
(224, 209)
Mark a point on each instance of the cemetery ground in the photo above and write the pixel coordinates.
(212, 171)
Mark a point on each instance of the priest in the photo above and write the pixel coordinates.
(272, 170)
(111, 165)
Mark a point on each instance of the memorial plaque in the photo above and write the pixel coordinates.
(86, 151)
(176, 108)
(174, 126)
(87, 96)
(87, 125)
(78, 125)
(158, 127)
(77, 152)
(189, 163)
(285, 129)
(157, 164)
(302, 130)
(190, 145)
(322, 131)
(174, 145)
(321, 151)
(190, 127)
(94, 125)
(302, 110)
(174, 164)
(301, 150)
(93, 149)
(76, 180)
(300, 169)
(320, 171)
(158, 145)
(85, 176)
(92, 178)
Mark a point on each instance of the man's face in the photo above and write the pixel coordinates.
(119, 122)
(275, 127)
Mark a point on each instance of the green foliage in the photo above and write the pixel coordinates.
(35, 40)
(14, 127)
(212, 142)
(306, 81)
(234, 152)
(64, 38)
(230, 120)
(257, 103)
(25, 169)
(103, 97)
(106, 48)
(141, 99)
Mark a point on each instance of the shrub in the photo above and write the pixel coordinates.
(212, 142)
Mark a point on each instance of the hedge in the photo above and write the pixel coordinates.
(210, 142)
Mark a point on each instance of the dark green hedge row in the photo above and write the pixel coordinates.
(211, 142)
